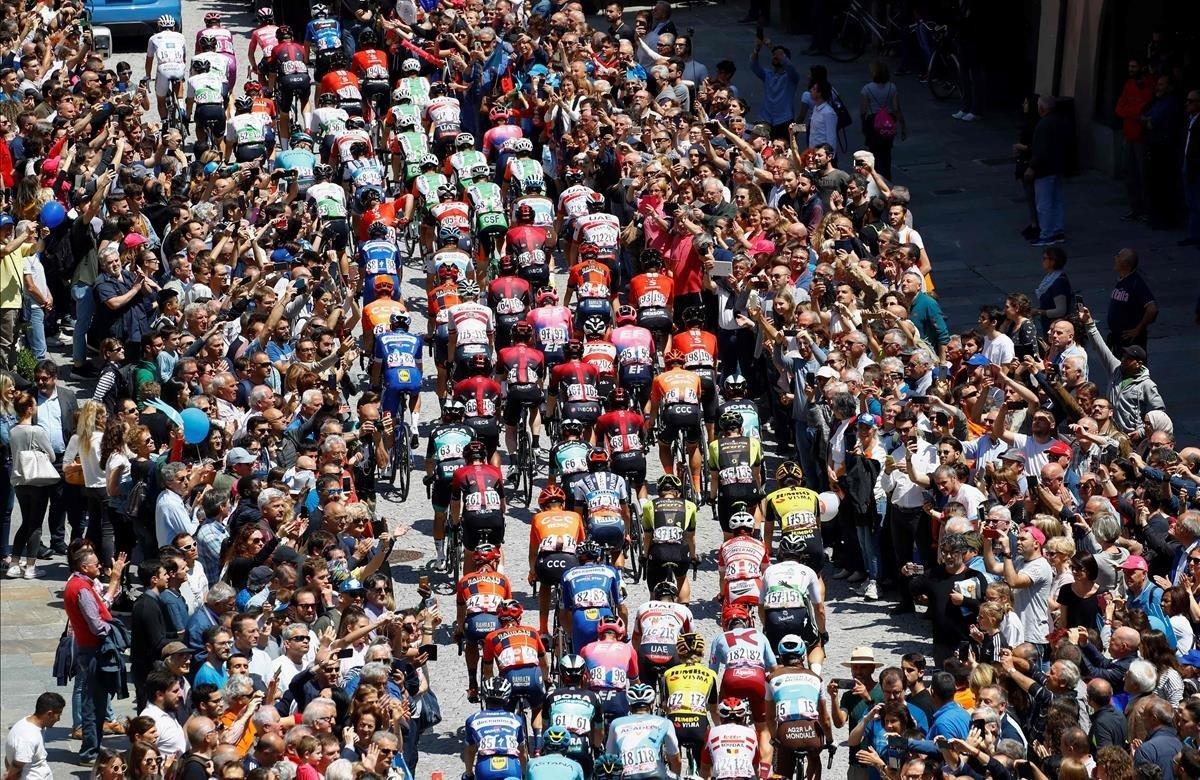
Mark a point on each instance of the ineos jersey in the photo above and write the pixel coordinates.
(521, 364)
(509, 296)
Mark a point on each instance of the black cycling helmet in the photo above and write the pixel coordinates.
(437, 89)
(496, 690)
(669, 482)
(367, 38)
(590, 550)
(377, 229)
(651, 258)
(666, 590)
(327, 99)
(400, 320)
(573, 350)
(522, 333)
(730, 421)
(284, 33)
(475, 451)
(693, 315)
(571, 426)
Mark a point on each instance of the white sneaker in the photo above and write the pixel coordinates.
(31, 572)
(968, 117)
(959, 114)
(871, 591)
(856, 577)
(16, 571)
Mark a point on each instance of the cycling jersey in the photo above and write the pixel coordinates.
(445, 450)
(543, 209)
(611, 664)
(555, 531)
(795, 511)
(731, 749)
(455, 257)
(592, 282)
(602, 496)
(603, 355)
(510, 298)
(513, 646)
(499, 739)
(551, 329)
(480, 488)
(568, 461)
(553, 767)
(222, 36)
(287, 59)
(344, 139)
(741, 561)
(494, 139)
(482, 591)
(262, 40)
(590, 591)
(691, 687)
(635, 352)
(523, 171)
(325, 32)
(481, 396)
(698, 347)
(577, 710)
(263, 105)
(747, 657)
(344, 84)
(735, 460)
(444, 115)
(751, 426)
(249, 129)
(412, 146)
(169, 50)
(657, 624)
(388, 213)
(417, 88)
(572, 202)
(206, 89)
(669, 521)
(652, 294)
(796, 692)
(641, 740)
(377, 315)
(370, 65)
(299, 160)
(521, 364)
(620, 432)
(329, 199)
(327, 121)
(575, 383)
(677, 386)
(460, 164)
(603, 230)
(441, 299)
(399, 352)
(528, 245)
(790, 592)
(473, 322)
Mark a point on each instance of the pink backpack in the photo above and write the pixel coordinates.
(884, 123)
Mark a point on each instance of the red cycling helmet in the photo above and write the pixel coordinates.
(589, 251)
(611, 623)
(446, 272)
(551, 494)
(626, 315)
(499, 113)
(487, 554)
(522, 332)
(547, 295)
(510, 610)
(252, 88)
(733, 612)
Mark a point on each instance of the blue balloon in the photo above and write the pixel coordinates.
(52, 214)
(195, 425)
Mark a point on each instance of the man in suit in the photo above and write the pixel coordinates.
(57, 409)
(1191, 167)
(1122, 650)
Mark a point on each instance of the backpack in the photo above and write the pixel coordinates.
(884, 123)
(125, 381)
(844, 119)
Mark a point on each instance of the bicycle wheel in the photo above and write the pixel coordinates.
(453, 553)
(635, 553)
(404, 466)
(386, 475)
(943, 75)
(525, 465)
(850, 38)
(683, 469)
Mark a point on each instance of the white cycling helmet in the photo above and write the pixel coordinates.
(166, 22)
(741, 520)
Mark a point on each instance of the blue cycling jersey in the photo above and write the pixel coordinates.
(553, 767)
(495, 733)
(796, 694)
(325, 32)
(400, 354)
(299, 160)
(591, 585)
(377, 256)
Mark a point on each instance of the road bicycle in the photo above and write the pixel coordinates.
(635, 560)
(400, 452)
(525, 459)
(175, 117)
(944, 72)
(855, 28)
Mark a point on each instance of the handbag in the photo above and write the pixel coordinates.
(431, 711)
(73, 473)
(34, 467)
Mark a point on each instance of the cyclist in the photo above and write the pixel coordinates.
(736, 462)
(794, 600)
(515, 653)
(604, 500)
(479, 596)
(477, 499)
(394, 214)
(206, 102)
(326, 121)
(222, 43)
(801, 722)
(596, 227)
(675, 402)
(796, 511)
(409, 147)
(466, 158)
(573, 707)
(298, 158)
(166, 55)
(487, 209)
(657, 625)
(521, 369)
(620, 431)
(442, 297)
(248, 135)
(747, 657)
(699, 348)
(287, 65)
(370, 64)
(611, 665)
(636, 356)
(450, 251)
(691, 691)
(543, 208)
(338, 80)
(494, 746)
(555, 762)
(733, 391)
(443, 457)
(600, 352)
(578, 385)
(521, 169)
(568, 459)
(646, 742)
(732, 750)
(669, 526)
(328, 200)
(590, 591)
(501, 133)
(480, 394)
(412, 83)
(741, 560)
(591, 280)
(608, 767)
(377, 315)
(652, 294)
(260, 103)
(262, 40)
(443, 118)
(510, 297)
(554, 533)
(572, 201)
(398, 358)
(450, 216)
(425, 193)
(364, 173)
(342, 142)
(324, 36)
(530, 244)
(206, 50)
(472, 327)
(551, 326)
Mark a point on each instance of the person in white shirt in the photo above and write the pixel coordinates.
(908, 525)
(822, 122)
(997, 347)
(164, 692)
(297, 652)
(1030, 576)
(946, 479)
(24, 747)
(246, 641)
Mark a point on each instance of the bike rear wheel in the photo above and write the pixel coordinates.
(453, 553)
(944, 75)
(404, 466)
(850, 38)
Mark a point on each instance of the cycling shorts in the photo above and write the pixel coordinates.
(538, 276)
(210, 115)
(583, 625)
(248, 152)
(650, 667)
(373, 87)
(486, 429)
(814, 556)
(162, 79)
(586, 412)
(728, 497)
(613, 702)
(297, 84)
(482, 528)
(549, 568)
(441, 344)
(690, 729)
(747, 682)
(629, 465)
(681, 417)
(440, 495)
(608, 530)
(800, 734)
(655, 320)
(526, 681)
(479, 625)
(657, 568)
(393, 397)
(339, 232)
(778, 623)
(519, 396)
(498, 768)
(632, 376)
(708, 393)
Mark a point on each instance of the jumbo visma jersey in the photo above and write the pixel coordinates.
(690, 689)
(796, 509)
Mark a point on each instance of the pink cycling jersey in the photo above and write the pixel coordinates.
(610, 664)
(551, 325)
(635, 346)
(494, 139)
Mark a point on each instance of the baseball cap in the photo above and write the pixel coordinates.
(1135, 563)
(281, 255)
(173, 648)
(978, 359)
(133, 240)
(762, 130)
(352, 587)
(1135, 352)
(239, 456)
(868, 420)
(762, 246)
(258, 578)
(1014, 456)
(827, 372)
(1058, 448)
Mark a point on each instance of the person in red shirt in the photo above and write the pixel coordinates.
(477, 499)
(1135, 96)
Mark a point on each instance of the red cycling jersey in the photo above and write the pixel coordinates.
(441, 298)
(698, 347)
(513, 647)
(621, 431)
(288, 58)
(521, 364)
(370, 65)
(480, 394)
(480, 488)
(575, 382)
(590, 279)
(342, 83)
(482, 591)
(651, 291)
(509, 296)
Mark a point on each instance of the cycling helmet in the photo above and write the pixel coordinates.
(468, 289)
(573, 176)
(525, 213)
(284, 33)
(547, 296)
(499, 113)
(206, 43)
(400, 320)
(640, 695)
(626, 315)
(475, 451)
(733, 708)
(791, 646)
(572, 425)
(398, 94)
(651, 258)
(355, 123)
(619, 399)
(589, 251)
(327, 99)
(480, 364)
(243, 103)
(556, 739)
(448, 236)
(406, 120)
(322, 171)
(598, 460)
(453, 408)
(265, 14)
(367, 38)
(320, 9)
(573, 350)
(507, 265)
(446, 191)
(212, 17)
(447, 272)
(689, 643)
(464, 141)
(792, 546)
(429, 161)
(437, 89)
(551, 494)
(410, 65)
(595, 203)
(496, 690)
(611, 623)
(510, 610)
(595, 325)
(666, 590)
(301, 138)
(369, 194)
(167, 22)
(201, 66)
(377, 229)
(730, 420)
(253, 87)
(571, 665)
(733, 613)
(535, 185)
(669, 482)
(481, 172)
(734, 385)
(673, 357)
(359, 148)
(522, 332)
(789, 471)
(741, 521)
(589, 549)
(608, 767)
(693, 315)
(522, 146)
(509, 146)
(486, 554)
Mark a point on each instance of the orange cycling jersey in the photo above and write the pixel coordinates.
(555, 530)
(677, 386)
(651, 291)
(370, 64)
(698, 347)
(342, 83)
(443, 297)
(263, 105)
(591, 279)
(377, 315)
(511, 647)
(482, 591)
